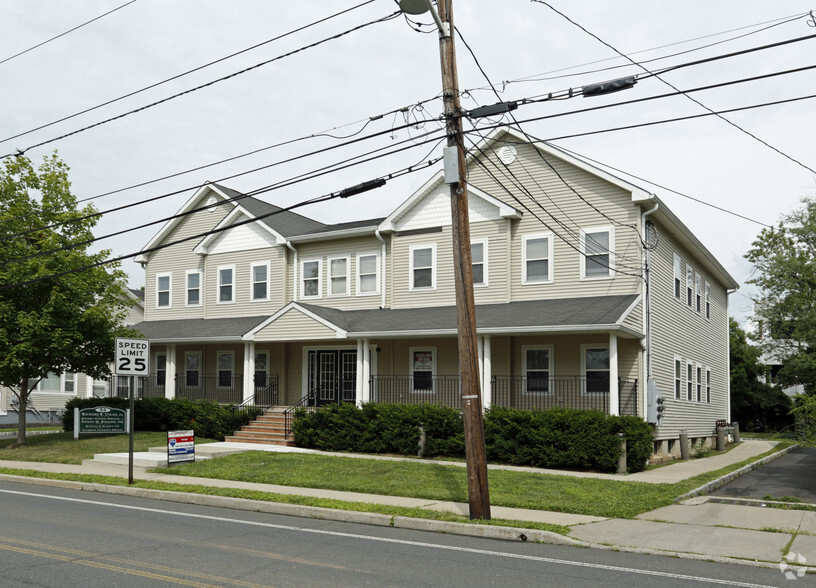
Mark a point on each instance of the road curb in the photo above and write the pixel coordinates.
(730, 477)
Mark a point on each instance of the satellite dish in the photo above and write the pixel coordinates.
(414, 6)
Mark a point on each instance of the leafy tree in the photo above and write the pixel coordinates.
(784, 260)
(51, 323)
(754, 404)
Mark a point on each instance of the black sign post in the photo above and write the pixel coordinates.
(132, 359)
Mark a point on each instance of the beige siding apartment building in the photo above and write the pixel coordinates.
(590, 294)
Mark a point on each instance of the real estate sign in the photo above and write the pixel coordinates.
(100, 419)
(180, 447)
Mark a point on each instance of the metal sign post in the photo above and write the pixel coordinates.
(132, 359)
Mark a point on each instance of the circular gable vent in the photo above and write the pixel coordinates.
(507, 154)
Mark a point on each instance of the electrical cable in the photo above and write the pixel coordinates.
(202, 86)
(710, 111)
(181, 75)
(66, 32)
(318, 199)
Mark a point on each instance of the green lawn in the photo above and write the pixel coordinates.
(62, 448)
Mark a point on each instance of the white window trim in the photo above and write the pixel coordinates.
(485, 257)
(584, 348)
(233, 285)
(707, 301)
(252, 281)
(169, 276)
(187, 288)
(611, 251)
(698, 293)
(218, 355)
(411, 351)
(689, 381)
(359, 276)
(551, 265)
(155, 370)
(699, 388)
(689, 299)
(678, 380)
(678, 278)
(266, 370)
(708, 385)
(550, 368)
(200, 367)
(301, 287)
(411, 249)
(347, 275)
(62, 389)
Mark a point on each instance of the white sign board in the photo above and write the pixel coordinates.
(132, 357)
(180, 446)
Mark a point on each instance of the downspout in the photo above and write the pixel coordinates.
(382, 267)
(294, 273)
(647, 306)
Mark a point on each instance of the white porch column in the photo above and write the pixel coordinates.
(487, 373)
(366, 371)
(358, 386)
(249, 370)
(614, 392)
(170, 373)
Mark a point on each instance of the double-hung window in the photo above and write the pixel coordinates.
(707, 300)
(538, 363)
(689, 381)
(478, 255)
(161, 369)
(368, 274)
(338, 276)
(678, 377)
(65, 382)
(689, 286)
(226, 362)
(193, 297)
(698, 293)
(423, 267)
(423, 368)
(226, 284)
(708, 385)
(699, 381)
(192, 368)
(310, 278)
(259, 288)
(164, 284)
(537, 257)
(597, 253)
(261, 369)
(678, 276)
(595, 364)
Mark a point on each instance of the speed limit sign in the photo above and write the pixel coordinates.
(132, 357)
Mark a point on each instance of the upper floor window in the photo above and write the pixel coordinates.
(193, 288)
(368, 273)
(423, 267)
(338, 276)
(164, 283)
(707, 300)
(678, 276)
(698, 289)
(478, 258)
(226, 284)
(259, 274)
(597, 253)
(689, 286)
(311, 278)
(537, 253)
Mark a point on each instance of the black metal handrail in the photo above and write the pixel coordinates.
(563, 391)
(443, 390)
(306, 403)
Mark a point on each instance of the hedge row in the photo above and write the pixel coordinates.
(557, 438)
(208, 419)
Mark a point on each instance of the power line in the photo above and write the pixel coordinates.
(712, 112)
(181, 75)
(202, 86)
(66, 32)
(318, 199)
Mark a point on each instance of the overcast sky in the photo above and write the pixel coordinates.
(525, 48)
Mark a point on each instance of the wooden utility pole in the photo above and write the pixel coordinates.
(478, 496)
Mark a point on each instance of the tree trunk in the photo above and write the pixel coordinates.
(21, 414)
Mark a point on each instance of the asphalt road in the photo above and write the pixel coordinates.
(57, 537)
(792, 475)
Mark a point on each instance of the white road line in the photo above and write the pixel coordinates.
(535, 558)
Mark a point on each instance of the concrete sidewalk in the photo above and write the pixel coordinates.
(695, 528)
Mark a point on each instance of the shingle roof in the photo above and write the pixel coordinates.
(198, 329)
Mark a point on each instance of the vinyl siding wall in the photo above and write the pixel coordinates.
(680, 330)
(242, 262)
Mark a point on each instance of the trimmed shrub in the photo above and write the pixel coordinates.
(557, 438)
(208, 419)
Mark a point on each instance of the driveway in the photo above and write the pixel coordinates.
(792, 475)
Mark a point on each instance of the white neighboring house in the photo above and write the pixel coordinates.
(47, 401)
(774, 361)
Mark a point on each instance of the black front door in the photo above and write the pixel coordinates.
(332, 377)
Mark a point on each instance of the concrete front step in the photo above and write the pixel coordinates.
(239, 438)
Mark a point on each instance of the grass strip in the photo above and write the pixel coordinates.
(417, 513)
